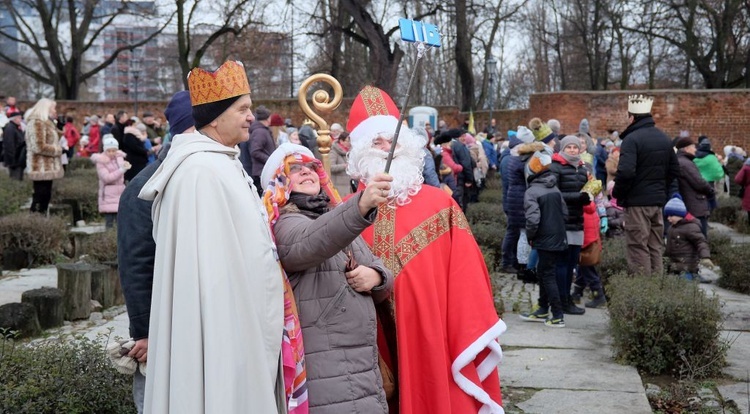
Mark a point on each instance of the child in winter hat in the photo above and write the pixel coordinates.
(686, 245)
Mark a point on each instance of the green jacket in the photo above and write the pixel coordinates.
(710, 168)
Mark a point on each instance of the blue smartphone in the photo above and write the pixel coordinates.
(414, 31)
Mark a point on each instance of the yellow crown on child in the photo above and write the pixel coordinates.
(640, 104)
(228, 81)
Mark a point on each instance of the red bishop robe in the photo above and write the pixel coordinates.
(446, 323)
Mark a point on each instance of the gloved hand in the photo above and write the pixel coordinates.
(707, 263)
(604, 225)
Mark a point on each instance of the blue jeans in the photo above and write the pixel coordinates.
(566, 263)
(533, 259)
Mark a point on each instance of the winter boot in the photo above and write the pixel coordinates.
(598, 301)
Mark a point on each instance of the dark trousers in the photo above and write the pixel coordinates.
(704, 225)
(549, 294)
(16, 173)
(510, 246)
(588, 276)
(109, 220)
(566, 263)
(256, 183)
(41, 197)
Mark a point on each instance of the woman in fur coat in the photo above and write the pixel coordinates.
(43, 152)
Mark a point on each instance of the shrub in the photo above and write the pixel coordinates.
(729, 211)
(489, 236)
(718, 242)
(666, 325)
(735, 274)
(13, 194)
(102, 247)
(492, 196)
(493, 181)
(496, 281)
(80, 163)
(81, 185)
(486, 213)
(614, 259)
(39, 237)
(61, 377)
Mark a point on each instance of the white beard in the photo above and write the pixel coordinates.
(406, 169)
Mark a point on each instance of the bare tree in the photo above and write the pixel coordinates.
(60, 32)
(195, 35)
(713, 36)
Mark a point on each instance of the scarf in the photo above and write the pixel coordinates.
(573, 160)
(311, 206)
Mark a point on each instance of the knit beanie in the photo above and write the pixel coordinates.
(675, 207)
(206, 113)
(110, 142)
(179, 113)
(524, 135)
(683, 142)
(570, 140)
(541, 129)
(537, 163)
(583, 127)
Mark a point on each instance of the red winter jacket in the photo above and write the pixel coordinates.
(590, 224)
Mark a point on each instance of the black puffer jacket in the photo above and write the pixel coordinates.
(570, 181)
(695, 191)
(545, 213)
(647, 167)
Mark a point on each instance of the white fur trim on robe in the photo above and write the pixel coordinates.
(486, 367)
(217, 308)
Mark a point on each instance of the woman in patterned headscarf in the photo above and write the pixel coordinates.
(335, 278)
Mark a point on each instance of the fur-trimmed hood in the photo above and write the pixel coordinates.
(530, 148)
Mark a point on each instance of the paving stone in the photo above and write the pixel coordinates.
(738, 393)
(586, 402)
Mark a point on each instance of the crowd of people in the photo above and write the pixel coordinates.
(257, 282)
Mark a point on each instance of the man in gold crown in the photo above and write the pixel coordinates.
(442, 344)
(647, 167)
(217, 314)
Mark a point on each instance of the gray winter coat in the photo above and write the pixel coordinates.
(338, 324)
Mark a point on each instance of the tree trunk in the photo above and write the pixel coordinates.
(48, 303)
(105, 286)
(74, 279)
(463, 57)
(20, 317)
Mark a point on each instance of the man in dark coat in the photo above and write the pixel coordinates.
(465, 180)
(14, 145)
(647, 167)
(261, 145)
(118, 130)
(136, 248)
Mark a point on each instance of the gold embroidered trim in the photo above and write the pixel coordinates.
(396, 256)
(373, 101)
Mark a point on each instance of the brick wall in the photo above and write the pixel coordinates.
(722, 115)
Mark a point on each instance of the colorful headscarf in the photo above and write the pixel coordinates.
(278, 187)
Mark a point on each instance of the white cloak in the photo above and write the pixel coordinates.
(217, 312)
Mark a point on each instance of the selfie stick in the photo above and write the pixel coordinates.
(420, 52)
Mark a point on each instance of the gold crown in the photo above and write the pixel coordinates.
(640, 104)
(226, 82)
